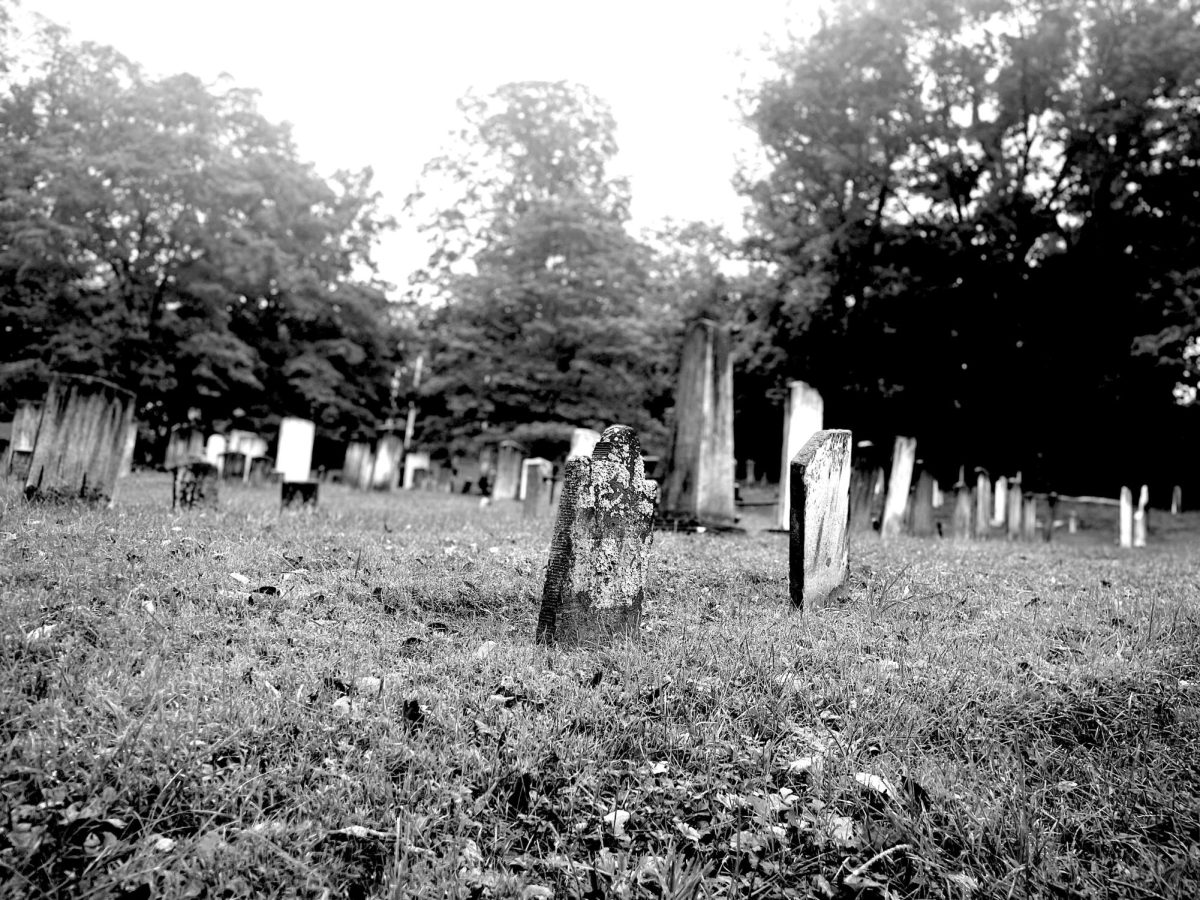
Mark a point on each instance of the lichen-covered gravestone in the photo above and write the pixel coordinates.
(820, 511)
(599, 552)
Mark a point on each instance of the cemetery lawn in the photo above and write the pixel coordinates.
(349, 703)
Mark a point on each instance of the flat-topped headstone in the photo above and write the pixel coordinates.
(293, 456)
(507, 480)
(803, 416)
(599, 551)
(863, 482)
(262, 470)
(699, 481)
(536, 481)
(904, 456)
(80, 441)
(126, 468)
(939, 498)
(298, 493)
(1000, 503)
(1125, 518)
(20, 447)
(963, 505)
(820, 509)
(922, 506)
(583, 442)
(534, 468)
(415, 462)
(194, 485)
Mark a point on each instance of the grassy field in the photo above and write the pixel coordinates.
(348, 703)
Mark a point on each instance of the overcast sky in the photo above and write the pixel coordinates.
(369, 82)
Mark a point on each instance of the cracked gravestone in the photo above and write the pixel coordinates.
(820, 511)
(600, 548)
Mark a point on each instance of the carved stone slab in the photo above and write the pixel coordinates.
(903, 457)
(820, 512)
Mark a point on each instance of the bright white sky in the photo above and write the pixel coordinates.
(372, 82)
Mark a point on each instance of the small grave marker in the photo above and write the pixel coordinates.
(507, 482)
(983, 504)
(298, 493)
(1125, 519)
(961, 526)
(1029, 518)
(922, 506)
(599, 552)
(820, 511)
(1000, 503)
(1013, 516)
(194, 485)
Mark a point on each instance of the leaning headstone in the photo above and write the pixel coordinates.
(1029, 518)
(983, 504)
(1013, 516)
(194, 485)
(820, 511)
(699, 483)
(80, 440)
(961, 525)
(298, 493)
(415, 463)
(534, 467)
(507, 480)
(20, 447)
(1125, 519)
(1176, 500)
(293, 458)
(385, 471)
(904, 455)
(599, 552)
(1139, 517)
(583, 442)
(1000, 503)
(922, 506)
(803, 416)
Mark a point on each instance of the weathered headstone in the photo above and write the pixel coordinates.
(961, 525)
(293, 457)
(599, 552)
(262, 470)
(20, 447)
(1176, 500)
(1029, 518)
(194, 485)
(820, 517)
(583, 442)
(507, 480)
(385, 467)
(415, 463)
(1139, 517)
(185, 444)
(922, 506)
(1014, 515)
(1000, 503)
(1125, 519)
(863, 482)
(983, 504)
(803, 416)
(298, 493)
(534, 467)
(235, 466)
(904, 455)
(699, 483)
(80, 440)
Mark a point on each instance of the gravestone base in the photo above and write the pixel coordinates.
(298, 493)
(194, 485)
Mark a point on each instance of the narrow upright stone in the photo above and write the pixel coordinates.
(1176, 499)
(534, 468)
(534, 479)
(904, 455)
(583, 442)
(596, 577)
(80, 440)
(385, 466)
(820, 511)
(508, 470)
(1000, 503)
(699, 483)
(803, 416)
(20, 447)
(1048, 526)
(1014, 514)
(961, 525)
(1029, 510)
(983, 504)
(1125, 519)
(1139, 517)
(126, 468)
(922, 506)
(293, 458)
(1072, 522)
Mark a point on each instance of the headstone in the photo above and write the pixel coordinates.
(820, 513)
(298, 493)
(234, 466)
(355, 465)
(1139, 517)
(1176, 500)
(938, 498)
(385, 469)
(534, 467)
(862, 496)
(127, 452)
(1029, 518)
(1125, 519)
(20, 446)
(507, 479)
(983, 504)
(194, 485)
(214, 451)
(466, 474)
(249, 445)
(185, 444)
(293, 458)
(803, 416)
(699, 483)
(1000, 503)
(80, 440)
(599, 552)
(1013, 516)
(922, 506)
(535, 481)
(750, 471)
(1072, 522)
(903, 456)
(961, 525)
(583, 442)
(1048, 525)
(415, 461)
(262, 470)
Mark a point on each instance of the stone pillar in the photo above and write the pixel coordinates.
(1000, 503)
(803, 416)
(1139, 517)
(961, 526)
(80, 440)
(699, 484)
(922, 506)
(185, 445)
(1176, 500)
(1014, 513)
(1125, 519)
(1029, 518)
(415, 461)
(534, 467)
(983, 504)
(293, 458)
(24, 434)
(384, 474)
(599, 552)
(583, 442)
(507, 480)
(820, 518)
(904, 455)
